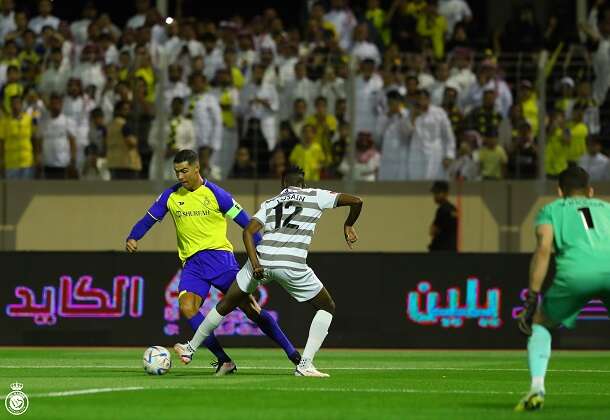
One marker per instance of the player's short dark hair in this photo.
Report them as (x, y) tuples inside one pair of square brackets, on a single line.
[(440, 187), (574, 179), (186, 155), (293, 175)]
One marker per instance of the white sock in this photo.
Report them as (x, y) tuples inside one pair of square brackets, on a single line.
[(209, 324), (537, 383), (317, 333)]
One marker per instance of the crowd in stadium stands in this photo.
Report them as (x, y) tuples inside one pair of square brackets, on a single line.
[(85, 99)]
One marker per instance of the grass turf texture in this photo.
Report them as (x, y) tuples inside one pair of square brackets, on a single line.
[(98, 383)]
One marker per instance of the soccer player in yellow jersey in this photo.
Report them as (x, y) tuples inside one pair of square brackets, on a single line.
[(198, 209)]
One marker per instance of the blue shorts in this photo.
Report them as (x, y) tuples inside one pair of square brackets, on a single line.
[(208, 268)]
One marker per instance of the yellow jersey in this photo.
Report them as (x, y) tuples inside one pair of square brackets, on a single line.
[(16, 136), (199, 217)]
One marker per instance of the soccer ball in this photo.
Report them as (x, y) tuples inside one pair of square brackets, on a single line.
[(156, 360)]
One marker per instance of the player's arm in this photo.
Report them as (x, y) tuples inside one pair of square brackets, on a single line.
[(539, 266), (249, 233), (355, 206), (231, 208), (155, 214)]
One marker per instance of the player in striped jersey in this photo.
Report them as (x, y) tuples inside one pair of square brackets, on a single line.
[(288, 222)]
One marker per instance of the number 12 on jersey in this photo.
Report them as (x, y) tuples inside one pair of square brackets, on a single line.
[(279, 213)]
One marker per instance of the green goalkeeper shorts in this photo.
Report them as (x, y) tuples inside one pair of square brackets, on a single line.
[(566, 297)]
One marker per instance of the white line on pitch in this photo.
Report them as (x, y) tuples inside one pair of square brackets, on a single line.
[(406, 368), (297, 389)]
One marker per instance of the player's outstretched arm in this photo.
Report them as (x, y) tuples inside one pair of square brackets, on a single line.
[(538, 270), (155, 214), (249, 232), (138, 231), (355, 205)]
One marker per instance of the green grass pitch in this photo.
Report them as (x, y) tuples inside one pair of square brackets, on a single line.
[(109, 383)]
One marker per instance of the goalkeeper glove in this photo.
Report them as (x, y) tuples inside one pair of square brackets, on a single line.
[(525, 318)]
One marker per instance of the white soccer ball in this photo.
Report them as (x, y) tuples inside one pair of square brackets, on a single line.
[(157, 360)]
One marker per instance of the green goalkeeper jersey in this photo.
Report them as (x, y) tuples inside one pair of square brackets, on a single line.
[(581, 228)]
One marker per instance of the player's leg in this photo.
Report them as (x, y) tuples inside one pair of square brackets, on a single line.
[(268, 324), (189, 307), (231, 300), (325, 310), (561, 305), (305, 286), (193, 290)]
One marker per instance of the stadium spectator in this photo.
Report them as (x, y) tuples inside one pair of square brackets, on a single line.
[(309, 155), (343, 22), (175, 88), (174, 135), (260, 101), (368, 89), (44, 18), (591, 108), (300, 87), (331, 87), (562, 148), (394, 131), (594, 162), (254, 140), (529, 103), (325, 125), (432, 144), (287, 139), (57, 146), (339, 149), (55, 76), (79, 28), (459, 40), (565, 102), (366, 164), (492, 157), (141, 118), (244, 167), (454, 12), (377, 17), (12, 87), (487, 79), (443, 229), (77, 106), (432, 27), (523, 153), (123, 157), (98, 132), (485, 116), (509, 127), (278, 164), (450, 105), (89, 70), (437, 88), (461, 72), (204, 109), (228, 99), (16, 143), (361, 47), (464, 167), (7, 19), (139, 19), (92, 169)]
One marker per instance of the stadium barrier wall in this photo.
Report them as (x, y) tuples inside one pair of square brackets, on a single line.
[(96, 216), (383, 301)]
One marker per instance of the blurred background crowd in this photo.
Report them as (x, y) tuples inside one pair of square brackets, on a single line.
[(374, 90)]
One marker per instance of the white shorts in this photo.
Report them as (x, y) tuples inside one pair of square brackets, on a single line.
[(302, 285)]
